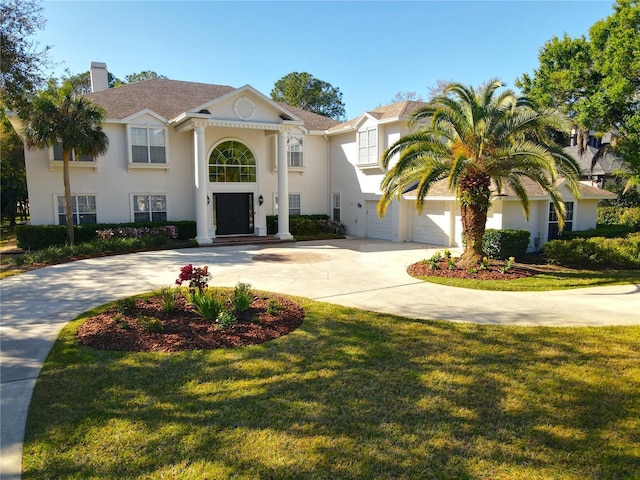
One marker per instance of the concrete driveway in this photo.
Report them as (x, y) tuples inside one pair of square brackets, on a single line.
[(361, 273)]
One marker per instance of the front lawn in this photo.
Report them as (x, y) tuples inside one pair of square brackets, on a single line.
[(348, 395)]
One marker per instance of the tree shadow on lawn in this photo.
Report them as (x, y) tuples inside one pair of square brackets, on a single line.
[(347, 395)]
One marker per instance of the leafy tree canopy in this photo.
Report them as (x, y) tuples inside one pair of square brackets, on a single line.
[(596, 80), (304, 91), (21, 60), (13, 178), (57, 114)]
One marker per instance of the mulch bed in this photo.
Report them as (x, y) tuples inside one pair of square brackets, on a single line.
[(184, 330), (423, 269)]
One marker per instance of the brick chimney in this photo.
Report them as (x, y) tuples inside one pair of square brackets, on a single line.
[(99, 77)]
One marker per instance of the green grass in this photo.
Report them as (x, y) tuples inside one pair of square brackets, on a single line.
[(557, 280), (349, 395)]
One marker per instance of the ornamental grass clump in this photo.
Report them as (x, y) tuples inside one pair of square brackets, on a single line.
[(207, 303), (242, 297), (169, 297)]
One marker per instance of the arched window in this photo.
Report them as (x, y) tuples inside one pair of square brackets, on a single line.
[(232, 161)]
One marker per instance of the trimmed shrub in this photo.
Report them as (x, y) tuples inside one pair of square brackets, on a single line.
[(607, 231), (36, 237), (306, 225), (502, 244), (596, 252)]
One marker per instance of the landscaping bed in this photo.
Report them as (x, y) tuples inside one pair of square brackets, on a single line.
[(268, 317)]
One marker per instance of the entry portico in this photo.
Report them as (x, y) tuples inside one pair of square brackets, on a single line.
[(232, 164)]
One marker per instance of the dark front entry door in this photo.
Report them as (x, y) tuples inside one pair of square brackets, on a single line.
[(234, 213)]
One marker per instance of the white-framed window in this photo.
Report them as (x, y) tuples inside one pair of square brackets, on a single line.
[(295, 203), (57, 154), (295, 153), (553, 220), (149, 207), (83, 209), (148, 145), (232, 161), (335, 206), (368, 146)]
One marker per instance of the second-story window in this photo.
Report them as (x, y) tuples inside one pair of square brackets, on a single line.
[(57, 154), (368, 146), (148, 145), (294, 151)]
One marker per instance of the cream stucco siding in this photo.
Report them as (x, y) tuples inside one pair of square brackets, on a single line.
[(586, 217)]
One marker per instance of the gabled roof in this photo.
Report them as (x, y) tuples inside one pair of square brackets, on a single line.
[(171, 98), (400, 110), (605, 163)]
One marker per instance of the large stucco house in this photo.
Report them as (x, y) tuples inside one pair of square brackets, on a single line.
[(226, 157)]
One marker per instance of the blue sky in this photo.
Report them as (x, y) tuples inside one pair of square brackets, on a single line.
[(369, 50)]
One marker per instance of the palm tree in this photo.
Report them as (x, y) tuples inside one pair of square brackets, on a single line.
[(56, 114), (481, 142)]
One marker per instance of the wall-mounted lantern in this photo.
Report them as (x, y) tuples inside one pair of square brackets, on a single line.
[(260, 200)]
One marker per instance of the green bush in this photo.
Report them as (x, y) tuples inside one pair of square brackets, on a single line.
[(306, 225), (609, 215), (607, 231), (502, 244), (631, 218), (596, 252), (615, 215), (36, 237)]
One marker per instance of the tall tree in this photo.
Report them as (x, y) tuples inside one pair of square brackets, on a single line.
[(58, 115), (142, 76), (21, 61), (304, 91), (595, 80), (409, 96), (481, 142), (13, 179)]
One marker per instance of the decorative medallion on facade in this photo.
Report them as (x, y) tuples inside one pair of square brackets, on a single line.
[(244, 108)]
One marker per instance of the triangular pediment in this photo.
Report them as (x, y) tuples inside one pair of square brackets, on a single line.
[(245, 104)]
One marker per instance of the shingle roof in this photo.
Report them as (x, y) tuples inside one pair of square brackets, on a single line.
[(395, 110), (440, 189), (170, 98), (605, 164), (312, 121)]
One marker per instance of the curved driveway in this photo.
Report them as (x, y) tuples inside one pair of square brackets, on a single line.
[(359, 273)]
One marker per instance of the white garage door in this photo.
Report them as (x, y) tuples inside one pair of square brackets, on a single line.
[(432, 226), (380, 228)]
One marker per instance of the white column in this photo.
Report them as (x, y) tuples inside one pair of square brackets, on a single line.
[(200, 182), (283, 189)]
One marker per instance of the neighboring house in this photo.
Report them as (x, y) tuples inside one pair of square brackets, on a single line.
[(598, 164), (225, 156)]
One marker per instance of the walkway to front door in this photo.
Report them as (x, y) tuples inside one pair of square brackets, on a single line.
[(234, 213)]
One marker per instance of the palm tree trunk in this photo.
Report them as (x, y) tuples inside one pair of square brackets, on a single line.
[(474, 222), (66, 155)]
